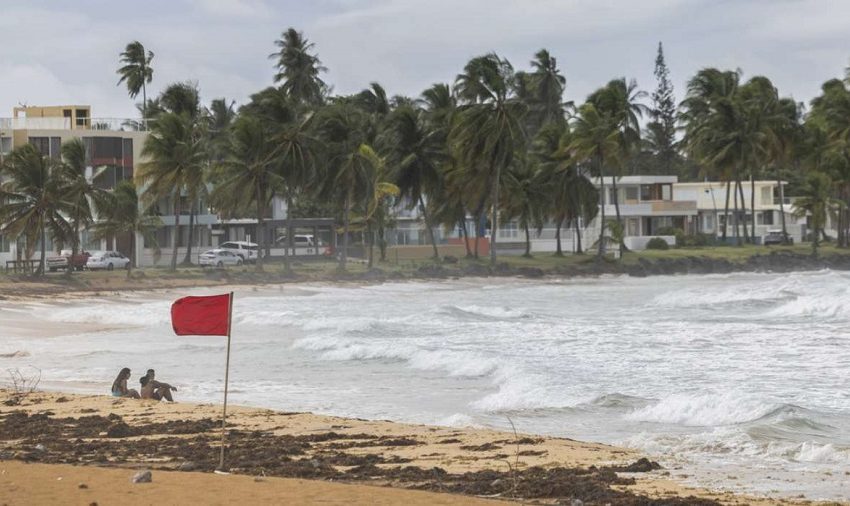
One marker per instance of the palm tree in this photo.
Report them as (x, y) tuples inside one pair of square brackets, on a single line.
[(524, 200), (350, 162), (596, 139), (173, 151), (714, 126), (298, 68), (35, 202), (136, 71), (488, 132), (415, 152), (79, 190), (121, 214), (817, 202), (248, 174), (620, 101)]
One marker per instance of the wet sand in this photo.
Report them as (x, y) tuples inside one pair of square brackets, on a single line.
[(302, 458)]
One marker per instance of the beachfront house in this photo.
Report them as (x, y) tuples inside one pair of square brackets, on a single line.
[(710, 197)]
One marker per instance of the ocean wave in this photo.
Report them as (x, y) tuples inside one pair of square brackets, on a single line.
[(484, 312), (703, 410), (830, 305), (459, 420), (618, 400)]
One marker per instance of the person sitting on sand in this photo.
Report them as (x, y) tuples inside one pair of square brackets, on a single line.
[(152, 389), (119, 386)]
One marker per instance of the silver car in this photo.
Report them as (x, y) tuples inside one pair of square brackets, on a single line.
[(218, 258)]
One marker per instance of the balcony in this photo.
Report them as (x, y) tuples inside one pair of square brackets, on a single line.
[(56, 123)]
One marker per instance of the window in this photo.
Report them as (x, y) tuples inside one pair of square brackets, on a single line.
[(631, 193), (765, 218), (5, 144), (5, 246), (666, 192), (646, 192), (508, 230), (47, 146)]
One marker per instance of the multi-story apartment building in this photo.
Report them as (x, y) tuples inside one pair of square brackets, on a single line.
[(112, 145)]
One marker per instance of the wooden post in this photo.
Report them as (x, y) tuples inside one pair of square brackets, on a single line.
[(226, 378)]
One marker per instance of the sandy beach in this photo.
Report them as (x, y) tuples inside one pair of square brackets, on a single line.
[(84, 449)]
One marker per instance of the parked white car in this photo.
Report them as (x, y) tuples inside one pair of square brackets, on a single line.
[(218, 258), (109, 260), (303, 244), (247, 251)]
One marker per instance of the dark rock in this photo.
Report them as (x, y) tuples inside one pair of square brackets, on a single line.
[(530, 272), (643, 465)]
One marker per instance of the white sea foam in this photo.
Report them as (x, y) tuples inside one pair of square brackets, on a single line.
[(457, 420), (703, 410)]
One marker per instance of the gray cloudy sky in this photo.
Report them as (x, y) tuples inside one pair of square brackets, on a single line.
[(67, 52)]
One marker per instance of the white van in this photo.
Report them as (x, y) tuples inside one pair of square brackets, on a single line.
[(302, 244), (247, 251)]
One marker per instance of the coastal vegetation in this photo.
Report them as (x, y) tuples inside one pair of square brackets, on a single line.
[(494, 143)]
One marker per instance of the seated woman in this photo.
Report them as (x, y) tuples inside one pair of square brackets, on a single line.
[(119, 386), (152, 389)]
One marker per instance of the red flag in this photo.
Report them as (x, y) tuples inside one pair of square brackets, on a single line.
[(201, 316)]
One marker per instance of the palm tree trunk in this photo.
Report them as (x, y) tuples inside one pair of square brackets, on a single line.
[(176, 233), (430, 228), (43, 247), (601, 249), (558, 251), (527, 242), (478, 217), (382, 241), (744, 208), (287, 264), (622, 244), (369, 243), (187, 260), (132, 254), (579, 250), (261, 228), (735, 215), (345, 220), (464, 232), (782, 205), (494, 215), (753, 207), (144, 106), (726, 209)]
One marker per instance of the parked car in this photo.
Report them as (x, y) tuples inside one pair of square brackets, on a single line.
[(775, 237), (247, 251), (108, 260), (305, 244), (65, 260), (218, 258)]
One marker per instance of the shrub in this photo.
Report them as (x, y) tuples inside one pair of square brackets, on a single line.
[(657, 243), (681, 238)]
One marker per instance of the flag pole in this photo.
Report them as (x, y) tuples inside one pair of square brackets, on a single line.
[(226, 377)]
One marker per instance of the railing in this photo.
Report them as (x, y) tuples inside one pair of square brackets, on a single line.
[(105, 124)]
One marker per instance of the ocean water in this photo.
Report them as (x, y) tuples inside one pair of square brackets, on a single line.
[(737, 382)]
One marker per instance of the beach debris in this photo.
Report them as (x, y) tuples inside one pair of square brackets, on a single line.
[(62, 399), (82, 486), (142, 477), (40, 447), (642, 465), (119, 429), (481, 448), (187, 466)]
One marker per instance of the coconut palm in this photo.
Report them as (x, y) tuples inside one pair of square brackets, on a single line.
[(816, 202), (488, 132), (349, 161), (174, 153), (596, 140), (298, 68), (136, 71), (248, 174), (121, 213), (415, 153), (79, 190), (35, 202), (524, 200), (619, 100)]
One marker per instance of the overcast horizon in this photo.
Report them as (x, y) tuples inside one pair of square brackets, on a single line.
[(54, 53)]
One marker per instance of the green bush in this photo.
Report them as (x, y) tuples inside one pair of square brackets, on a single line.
[(657, 243), (681, 238)]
